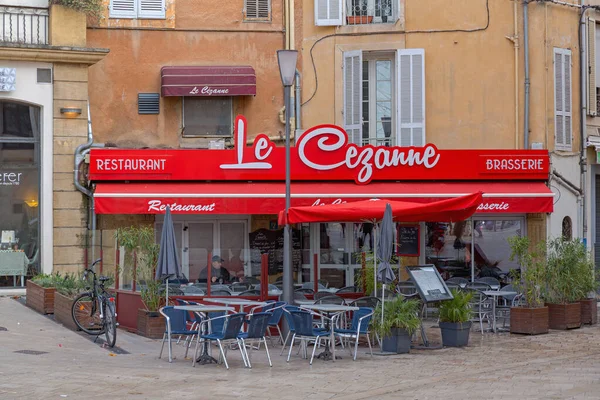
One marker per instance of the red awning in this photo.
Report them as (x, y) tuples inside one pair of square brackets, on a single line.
[(208, 81), (269, 197)]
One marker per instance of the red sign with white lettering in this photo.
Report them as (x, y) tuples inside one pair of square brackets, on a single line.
[(321, 153)]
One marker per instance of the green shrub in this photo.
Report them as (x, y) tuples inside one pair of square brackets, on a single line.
[(458, 309), (398, 313), (92, 8), (46, 280), (70, 285)]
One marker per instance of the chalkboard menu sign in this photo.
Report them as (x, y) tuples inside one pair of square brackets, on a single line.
[(265, 241), (408, 240), (429, 283)]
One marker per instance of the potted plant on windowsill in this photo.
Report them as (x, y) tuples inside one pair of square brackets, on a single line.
[(40, 292), (563, 283), (400, 321), (455, 319), (531, 317)]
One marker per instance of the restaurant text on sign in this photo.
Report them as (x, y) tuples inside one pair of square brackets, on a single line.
[(131, 164), (159, 206)]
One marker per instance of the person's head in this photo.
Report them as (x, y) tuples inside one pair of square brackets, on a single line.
[(217, 262)]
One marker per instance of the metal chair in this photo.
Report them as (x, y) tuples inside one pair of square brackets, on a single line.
[(303, 323), (347, 289), (220, 292), (239, 287), (276, 313), (481, 306), (175, 324), (359, 326), (257, 326), (320, 295), (367, 301), (478, 286), (488, 280), (331, 299), (304, 291), (457, 280), (251, 292), (290, 322), (230, 334), (407, 289), (503, 309)]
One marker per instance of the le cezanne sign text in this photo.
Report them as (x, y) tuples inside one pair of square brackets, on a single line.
[(321, 153)]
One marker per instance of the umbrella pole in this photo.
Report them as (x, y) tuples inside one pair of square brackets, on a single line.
[(167, 293)]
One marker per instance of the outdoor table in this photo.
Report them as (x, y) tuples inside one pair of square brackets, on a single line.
[(14, 263), (204, 358), (235, 302), (304, 302), (496, 294), (329, 309)]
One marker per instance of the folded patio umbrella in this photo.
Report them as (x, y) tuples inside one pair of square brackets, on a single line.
[(168, 261), (384, 253)]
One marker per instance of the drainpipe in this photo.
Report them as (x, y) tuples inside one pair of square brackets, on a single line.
[(584, 99), (515, 41), (527, 83), (298, 101)]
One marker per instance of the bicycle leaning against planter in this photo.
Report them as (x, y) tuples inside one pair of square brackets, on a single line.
[(94, 311)]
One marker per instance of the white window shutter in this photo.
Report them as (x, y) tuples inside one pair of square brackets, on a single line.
[(151, 9), (563, 132), (257, 9), (410, 95), (353, 96), (122, 9), (591, 50), (328, 12)]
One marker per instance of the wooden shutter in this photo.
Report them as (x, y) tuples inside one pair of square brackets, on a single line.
[(257, 9), (328, 12), (591, 50), (563, 135), (410, 95), (151, 9), (353, 96), (122, 9)]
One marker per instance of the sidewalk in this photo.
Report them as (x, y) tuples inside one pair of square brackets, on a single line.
[(560, 365)]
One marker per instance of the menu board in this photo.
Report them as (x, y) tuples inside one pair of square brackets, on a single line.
[(265, 241), (408, 240), (429, 283)]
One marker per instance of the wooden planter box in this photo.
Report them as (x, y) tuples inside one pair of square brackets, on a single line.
[(589, 311), (62, 311), (359, 19), (530, 321), (39, 298), (150, 324), (564, 316)]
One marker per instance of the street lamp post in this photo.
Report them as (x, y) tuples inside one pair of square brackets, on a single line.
[(287, 68)]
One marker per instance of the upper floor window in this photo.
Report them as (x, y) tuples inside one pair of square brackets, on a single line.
[(355, 12), (257, 10), (384, 97), (563, 127), (143, 9), (207, 116)]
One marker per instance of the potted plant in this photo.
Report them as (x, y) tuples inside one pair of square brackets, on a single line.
[(67, 288), (150, 323), (532, 316), (589, 285), (39, 293), (563, 283), (400, 321), (455, 319)]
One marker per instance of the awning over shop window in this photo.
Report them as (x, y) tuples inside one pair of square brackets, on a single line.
[(208, 81), (269, 198)]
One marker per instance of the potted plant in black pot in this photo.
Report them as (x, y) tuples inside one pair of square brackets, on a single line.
[(400, 321), (455, 319), (589, 285), (531, 317)]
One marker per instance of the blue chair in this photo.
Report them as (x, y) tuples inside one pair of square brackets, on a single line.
[(303, 325), (232, 327), (257, 326), (276, 312), (290, 323), (360, 326), (176, 324)]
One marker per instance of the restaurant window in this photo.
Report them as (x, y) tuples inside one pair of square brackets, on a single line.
[(207, 117), (19, 183)]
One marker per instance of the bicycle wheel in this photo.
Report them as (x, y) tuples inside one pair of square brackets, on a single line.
[(86, 314), (110, 324)]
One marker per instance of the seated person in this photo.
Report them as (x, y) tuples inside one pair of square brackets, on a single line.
[(219, 274)]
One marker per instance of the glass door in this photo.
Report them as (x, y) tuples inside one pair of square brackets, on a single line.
[(232, 246), (334, 251), (200, 239)]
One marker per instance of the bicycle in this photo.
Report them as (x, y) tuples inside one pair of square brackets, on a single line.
[(94, 311)]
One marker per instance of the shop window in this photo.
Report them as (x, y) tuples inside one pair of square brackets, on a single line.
[(567, 228), (207, 117), (19, 120)]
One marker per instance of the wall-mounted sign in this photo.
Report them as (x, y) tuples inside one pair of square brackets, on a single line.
[(8, 78), (10, 178)]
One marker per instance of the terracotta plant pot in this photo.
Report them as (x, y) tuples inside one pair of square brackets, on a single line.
[(529, 321), (150, 324), (39, 298), (359, 19), (589, 311), (62, 311), (564, 316)]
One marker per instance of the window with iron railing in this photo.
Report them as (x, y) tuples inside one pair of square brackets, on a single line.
[(24, 25), (370, 11)]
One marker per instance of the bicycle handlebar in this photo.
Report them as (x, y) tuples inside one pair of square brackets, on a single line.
[(87, 270)]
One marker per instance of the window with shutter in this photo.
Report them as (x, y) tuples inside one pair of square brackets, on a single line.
[(591, 47), (151, 9), (353, 96), (123, 9), (257, 9), (410, 83), (563, 135), (328, 12)]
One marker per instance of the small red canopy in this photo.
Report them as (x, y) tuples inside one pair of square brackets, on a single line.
[(455, 209)]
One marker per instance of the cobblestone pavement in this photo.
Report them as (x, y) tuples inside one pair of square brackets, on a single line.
[(560, 365)]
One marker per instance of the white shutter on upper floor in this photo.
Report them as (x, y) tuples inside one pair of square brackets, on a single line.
[(410, 95), (328, 12), (122, 9), (352, 70), (563, 132), (151, 9)]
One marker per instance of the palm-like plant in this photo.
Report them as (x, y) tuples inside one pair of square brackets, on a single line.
[(458, 309), (399, 313)]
